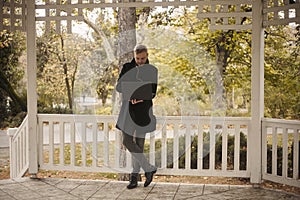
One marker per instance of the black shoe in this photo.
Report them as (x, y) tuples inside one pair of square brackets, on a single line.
[(149, 177), (133, 183)]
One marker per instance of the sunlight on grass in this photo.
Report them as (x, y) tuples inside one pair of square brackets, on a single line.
[(78, 157)]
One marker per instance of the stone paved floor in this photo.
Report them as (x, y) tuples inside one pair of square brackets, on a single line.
[(65, 189)]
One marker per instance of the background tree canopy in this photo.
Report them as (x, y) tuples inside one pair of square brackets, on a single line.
[(201, 72), (12, 90)]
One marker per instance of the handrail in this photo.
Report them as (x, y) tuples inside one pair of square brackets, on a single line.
[(91, 143), (280, 151), (18, 143)]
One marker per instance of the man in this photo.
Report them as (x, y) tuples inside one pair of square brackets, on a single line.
[(136, 116)]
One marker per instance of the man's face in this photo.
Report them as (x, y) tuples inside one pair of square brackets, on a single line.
[(140, 58)]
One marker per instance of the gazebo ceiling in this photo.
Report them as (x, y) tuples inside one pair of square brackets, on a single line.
[(223, 15)]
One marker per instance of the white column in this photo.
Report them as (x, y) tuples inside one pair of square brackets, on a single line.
[(31, 87), (257, 95)]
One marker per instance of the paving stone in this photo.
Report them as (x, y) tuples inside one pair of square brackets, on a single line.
[(63, 197), (189, 191), (70, 189), (51, 192), (51, 181), (211, 189), (111, 190), (4, 195), (18, 191), (6, 181), (33, 183), (7, 198), (140, 192), (87, 190), (69, 185), (163, 191)]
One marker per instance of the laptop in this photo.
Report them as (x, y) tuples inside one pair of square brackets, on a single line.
[(136, 90)]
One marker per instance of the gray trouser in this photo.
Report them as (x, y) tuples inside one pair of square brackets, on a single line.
[(135, 146)]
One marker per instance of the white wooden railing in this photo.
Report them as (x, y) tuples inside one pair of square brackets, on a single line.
[(92, 144), (198, 146), (18, 142), (280, 140)]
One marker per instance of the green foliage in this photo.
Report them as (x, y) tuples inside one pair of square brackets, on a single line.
[(187, 54), (12, 90), (199, 54), (12, 46), (232, 50), (100, 69), (13, 120), (282, 72), (54, 110), (59, 56), (279, 166), (104, 110)]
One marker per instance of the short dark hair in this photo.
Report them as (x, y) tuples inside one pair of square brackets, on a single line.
[(140, 48)]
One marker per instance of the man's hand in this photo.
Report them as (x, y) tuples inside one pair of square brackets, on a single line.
[(135, 101)]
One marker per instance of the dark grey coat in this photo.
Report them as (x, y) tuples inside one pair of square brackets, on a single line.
[(138, 116)]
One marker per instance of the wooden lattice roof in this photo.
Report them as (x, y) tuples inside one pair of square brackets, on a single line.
[(226, 14)]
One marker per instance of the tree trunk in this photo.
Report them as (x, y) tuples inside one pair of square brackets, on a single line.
[(222, 55), (127, 34), (9, 90), (219, 100), (126, 43), (67, 81)]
